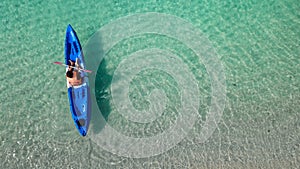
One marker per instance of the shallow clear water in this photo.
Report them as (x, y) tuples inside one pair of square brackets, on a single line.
[(256, 42)]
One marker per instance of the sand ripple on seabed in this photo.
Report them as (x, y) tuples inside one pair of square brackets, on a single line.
[(257, 96)]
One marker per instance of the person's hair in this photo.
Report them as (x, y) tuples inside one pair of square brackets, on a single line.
[(69, 74)]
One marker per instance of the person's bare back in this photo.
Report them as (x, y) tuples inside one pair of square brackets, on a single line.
[(73, 76), (75, 81)]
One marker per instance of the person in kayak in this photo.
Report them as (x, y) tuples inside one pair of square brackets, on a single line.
[(73, 76)]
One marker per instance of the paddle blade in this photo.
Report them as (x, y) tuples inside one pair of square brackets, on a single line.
[(58, 63), (88, 71)]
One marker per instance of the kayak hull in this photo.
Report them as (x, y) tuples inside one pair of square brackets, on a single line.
[(79, 96)]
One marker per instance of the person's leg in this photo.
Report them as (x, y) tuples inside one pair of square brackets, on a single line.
[(71, 63), (78, 64)]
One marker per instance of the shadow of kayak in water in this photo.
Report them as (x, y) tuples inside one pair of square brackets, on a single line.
[(99, 81)]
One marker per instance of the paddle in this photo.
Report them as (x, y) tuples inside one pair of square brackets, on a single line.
[(84, 70)]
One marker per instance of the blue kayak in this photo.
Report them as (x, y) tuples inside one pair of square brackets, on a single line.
[(79, 96)]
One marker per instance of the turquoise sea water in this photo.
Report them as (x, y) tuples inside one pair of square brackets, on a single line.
[(257, 43)]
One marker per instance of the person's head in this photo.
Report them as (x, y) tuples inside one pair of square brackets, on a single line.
[(69, 74)]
